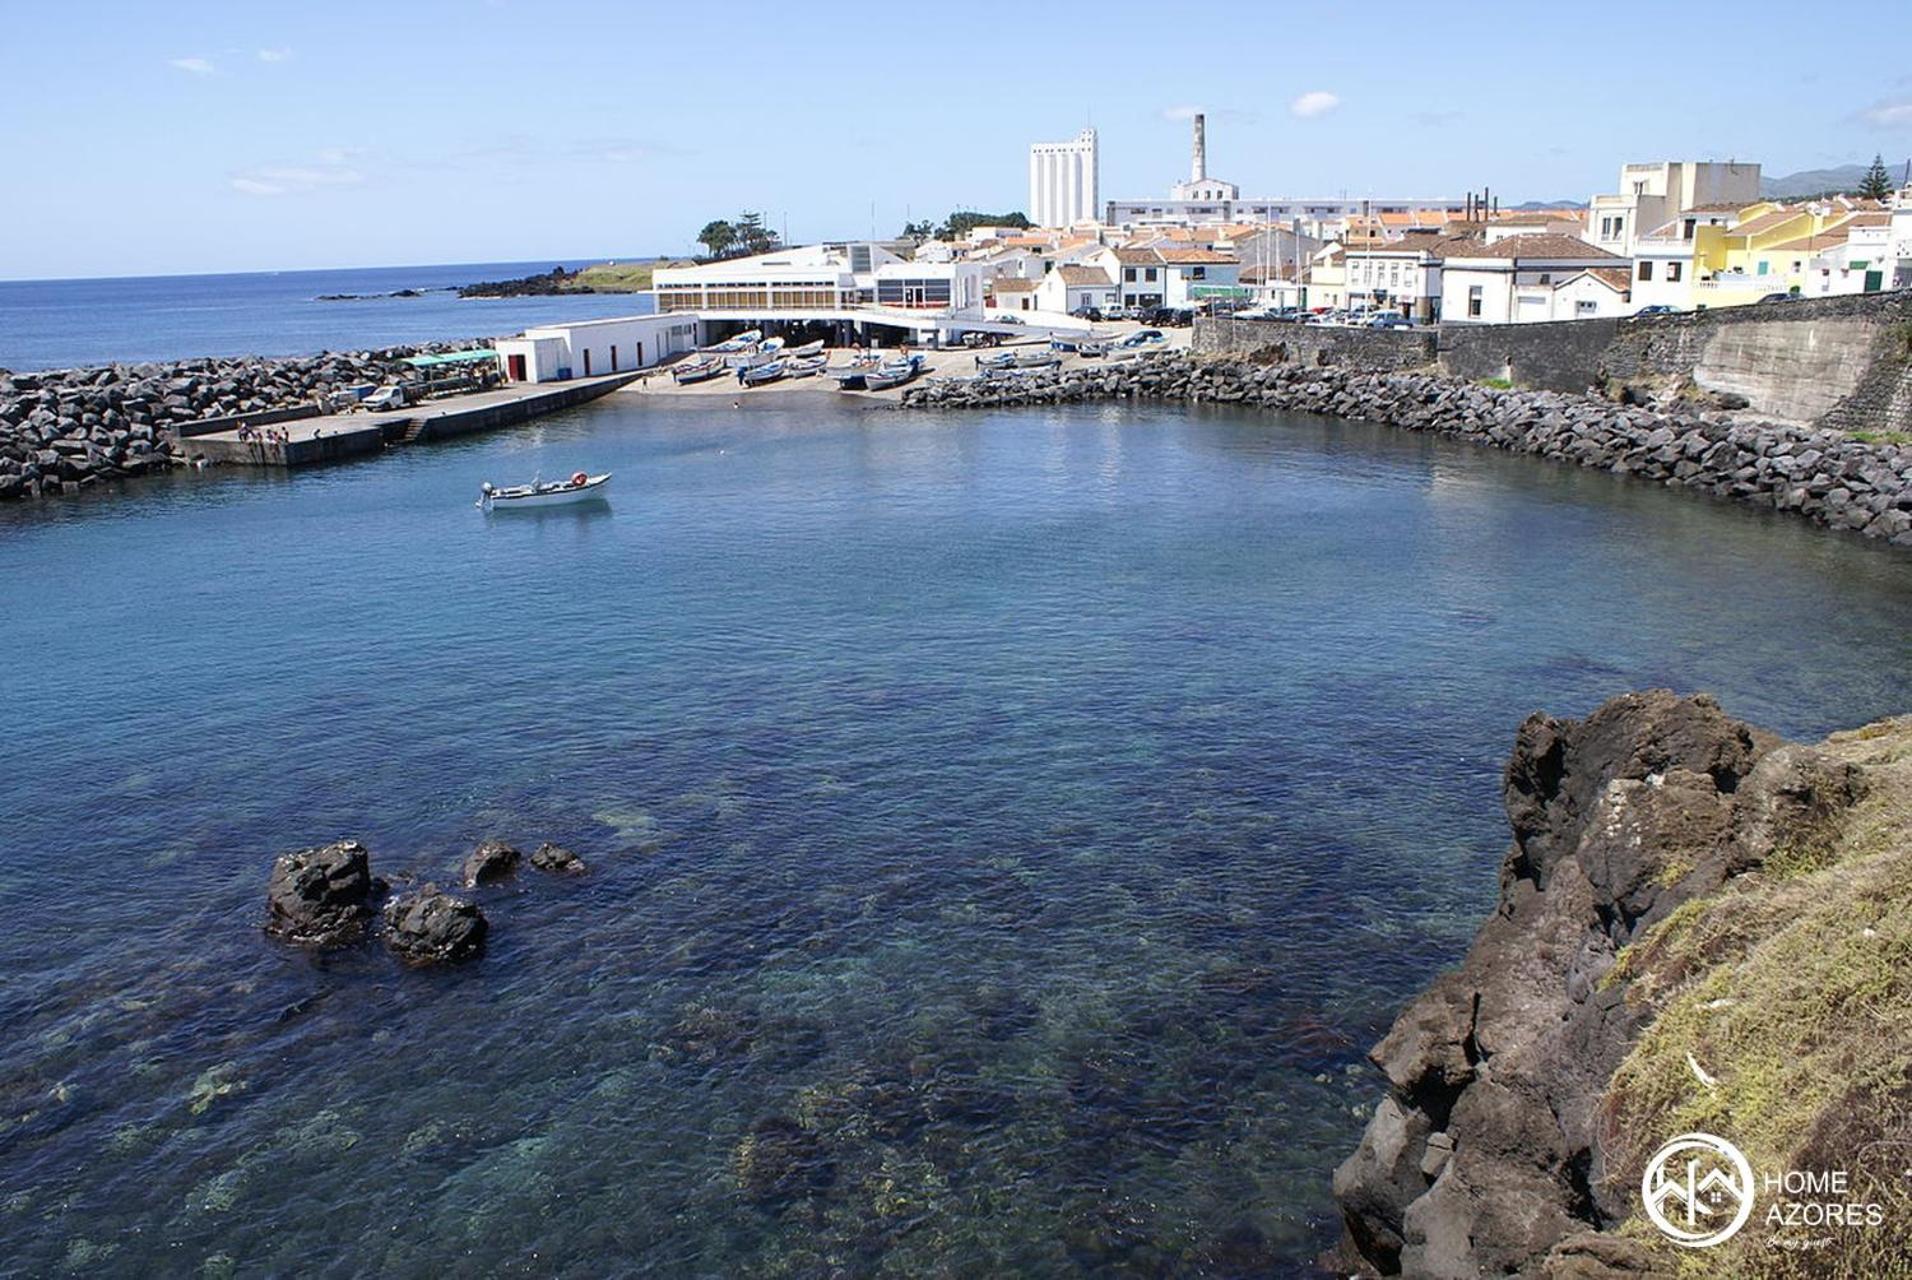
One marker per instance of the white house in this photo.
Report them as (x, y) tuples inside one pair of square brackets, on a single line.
[(1167, 275), (1073, 286), (586, 348), (1399, 275), (1597, 291), (1512, 280), (1663, 264), (1013, 293)]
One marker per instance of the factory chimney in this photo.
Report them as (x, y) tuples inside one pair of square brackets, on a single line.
[(1198, 161)]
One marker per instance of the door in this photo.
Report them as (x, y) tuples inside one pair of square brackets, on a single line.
[(516, 367), (912, 295), (614, 357), (587, 362), (640, 356)]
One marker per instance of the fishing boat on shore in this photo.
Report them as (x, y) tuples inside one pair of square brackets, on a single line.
[(851, 376), (745, 341), (893, 373), (696, 371), (1038, 360), (806, 351), (804, 367), (757, 375), (581, 487), (997, 360)]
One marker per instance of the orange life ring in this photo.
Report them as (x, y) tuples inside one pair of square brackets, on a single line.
[(579, 478)]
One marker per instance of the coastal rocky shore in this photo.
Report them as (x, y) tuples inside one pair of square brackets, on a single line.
[(1844, 481), (64, 429), (1700, 928)]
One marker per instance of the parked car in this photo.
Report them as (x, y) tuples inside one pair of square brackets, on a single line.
[(1657, 309), (1092, 314), (1011, 320), (1779, 297), (1390, 320)]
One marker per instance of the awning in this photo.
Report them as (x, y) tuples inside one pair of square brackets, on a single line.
[(1219, 291), (475, 356)]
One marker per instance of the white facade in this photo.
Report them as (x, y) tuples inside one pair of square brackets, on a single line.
[(588, 348), (1404, 278), (1651, 195), (1072, 287), (1065, 184), (1517, 283)]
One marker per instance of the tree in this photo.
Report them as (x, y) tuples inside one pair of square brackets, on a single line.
[(919, 231), (717, 236), (958, 224), (1877, 184), (753, 236)]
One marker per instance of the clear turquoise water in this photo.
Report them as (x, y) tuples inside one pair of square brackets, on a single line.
[(1027, 818)]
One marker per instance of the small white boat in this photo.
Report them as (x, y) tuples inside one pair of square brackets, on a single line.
[(581, 487), (745, 340), (805, 351)]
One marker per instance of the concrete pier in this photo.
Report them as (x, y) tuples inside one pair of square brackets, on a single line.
[(334, 437)]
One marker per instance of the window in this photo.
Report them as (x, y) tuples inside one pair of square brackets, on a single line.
[(1646, 271), (1148, 273), (1585, 307), (1198, 273), (1673, 271), (1473, 300), (1762, 266), (1546, 277), (1128, 275)]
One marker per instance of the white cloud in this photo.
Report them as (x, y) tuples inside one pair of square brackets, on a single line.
[(274, 55), (1890, 115), (194, 66), (329, 173), (1180, 113), (1314, 103)]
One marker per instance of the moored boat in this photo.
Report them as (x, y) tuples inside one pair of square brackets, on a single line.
[(893, 373), (581, 487), (804, 367), (757, 375), (807, 350), (1038, 360)]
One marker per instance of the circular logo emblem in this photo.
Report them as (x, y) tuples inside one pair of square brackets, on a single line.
[(1698, 1189)]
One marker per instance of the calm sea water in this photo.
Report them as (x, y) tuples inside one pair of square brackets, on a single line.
[(53, 324), (1006, 831)]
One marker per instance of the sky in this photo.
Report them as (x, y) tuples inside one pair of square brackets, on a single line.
[(204, 137)]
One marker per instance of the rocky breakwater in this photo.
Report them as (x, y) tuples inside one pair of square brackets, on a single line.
[(1852, 482), (1700, 928), (64, 429)]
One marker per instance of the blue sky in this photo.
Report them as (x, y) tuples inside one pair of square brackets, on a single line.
[(185, 137)]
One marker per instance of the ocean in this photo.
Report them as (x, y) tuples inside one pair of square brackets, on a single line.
[(1007, 831), (55, 324)]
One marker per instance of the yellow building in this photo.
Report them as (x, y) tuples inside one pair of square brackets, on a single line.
[(1771, 249)]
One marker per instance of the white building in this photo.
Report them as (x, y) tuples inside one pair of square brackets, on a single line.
[(1065, 183), (587, 348), (1401, 275), (1514, 280), (1663, 264), (1652, 195), (853, 292), (1072, 287), (1168, 275)]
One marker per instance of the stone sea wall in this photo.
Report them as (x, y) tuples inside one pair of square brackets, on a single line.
[(64, 429), (1835, 362), (1830, 477)]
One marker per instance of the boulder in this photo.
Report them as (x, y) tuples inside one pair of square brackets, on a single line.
[(320, 896), (557, 859), (429, 927), (491, 861)]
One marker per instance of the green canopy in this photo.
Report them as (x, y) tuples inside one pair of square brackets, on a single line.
[(474, 356), (1219, 291)]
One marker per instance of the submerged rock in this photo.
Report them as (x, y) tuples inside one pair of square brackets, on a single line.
[(492, 860), (779, 1160), (429, 927), (321, 896), (557, 859)]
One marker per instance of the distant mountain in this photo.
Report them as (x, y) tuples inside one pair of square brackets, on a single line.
[(1812, 182), (1547, 204)]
